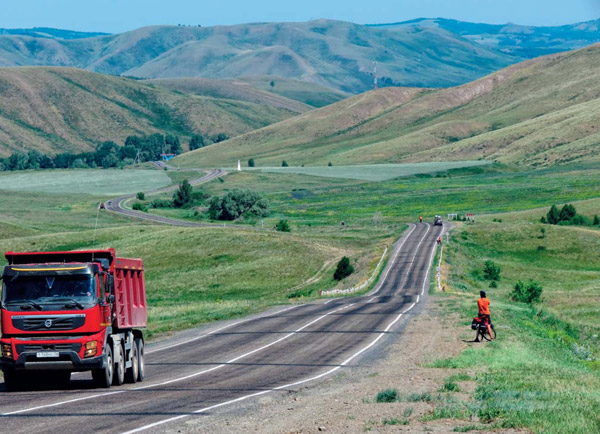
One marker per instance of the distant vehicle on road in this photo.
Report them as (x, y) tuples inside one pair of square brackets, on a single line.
[(437, 221), (72, 311)]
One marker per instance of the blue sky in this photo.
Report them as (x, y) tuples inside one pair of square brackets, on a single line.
[(122, 15)]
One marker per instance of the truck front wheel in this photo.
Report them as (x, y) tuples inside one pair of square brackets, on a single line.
[(13, 380), (104, 377)]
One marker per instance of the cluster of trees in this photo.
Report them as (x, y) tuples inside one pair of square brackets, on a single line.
[(199, 141), (238, 203), (108, 154), (568, 216), (184, 197)]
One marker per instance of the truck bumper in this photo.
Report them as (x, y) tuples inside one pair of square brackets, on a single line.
[(67, 361)]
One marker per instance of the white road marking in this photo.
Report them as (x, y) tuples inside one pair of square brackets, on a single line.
[(285, 386), (429, 266), (99, 395), (393, 261)]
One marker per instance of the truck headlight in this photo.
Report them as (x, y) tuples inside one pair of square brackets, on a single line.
[(91, 348), (7, 351)]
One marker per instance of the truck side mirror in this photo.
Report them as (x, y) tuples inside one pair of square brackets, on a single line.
[(110, 284), (110, 298)]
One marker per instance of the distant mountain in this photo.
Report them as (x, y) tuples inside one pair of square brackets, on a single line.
[(516, 40), (62, 109), (48, 32), (540, 112), (329, 53)]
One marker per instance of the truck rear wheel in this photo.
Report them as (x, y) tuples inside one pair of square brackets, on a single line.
[(139, 343), (131, 375), (104, 377), (119, 375)]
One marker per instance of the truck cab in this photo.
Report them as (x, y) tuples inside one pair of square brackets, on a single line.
[(72, 311)]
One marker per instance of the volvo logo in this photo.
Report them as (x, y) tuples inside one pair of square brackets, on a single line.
[(48, 323)]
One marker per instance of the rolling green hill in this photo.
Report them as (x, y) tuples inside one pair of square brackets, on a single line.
[(62, 109), (540, 112), (331, 53)]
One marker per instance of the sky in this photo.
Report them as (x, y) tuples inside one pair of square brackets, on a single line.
[(115, 16)]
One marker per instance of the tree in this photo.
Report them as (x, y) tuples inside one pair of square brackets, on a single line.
[(567, 213), (197, 142), (344, 269), (526, 292), (283, 226), (173, 144), (78, 163), (111, 160), (272, 83), (18, 161), (237, 203), (596, 220), (183, 196), (251, 162), (491, 271), (553, 216), (329, 164), (284, 164), (221, 137), (140, 195)]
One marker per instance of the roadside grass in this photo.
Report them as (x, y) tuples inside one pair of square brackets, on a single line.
[(542, 373), (89, 181), (194, 276)]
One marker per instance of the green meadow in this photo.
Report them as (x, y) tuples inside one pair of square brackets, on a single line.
[(543, 371)]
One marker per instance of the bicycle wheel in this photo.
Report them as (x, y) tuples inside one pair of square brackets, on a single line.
[(486, 334)]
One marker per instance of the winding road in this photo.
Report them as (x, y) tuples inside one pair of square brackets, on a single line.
[(116, 205), (199, 373)]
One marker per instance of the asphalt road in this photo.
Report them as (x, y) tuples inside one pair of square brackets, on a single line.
[(202, 372), (116, 205)]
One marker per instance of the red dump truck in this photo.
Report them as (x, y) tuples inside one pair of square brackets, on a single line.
[(63, 312)]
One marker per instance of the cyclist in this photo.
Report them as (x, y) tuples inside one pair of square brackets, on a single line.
[(483, 305)]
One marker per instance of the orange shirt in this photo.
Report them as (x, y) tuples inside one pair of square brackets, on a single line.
[(484, 306)]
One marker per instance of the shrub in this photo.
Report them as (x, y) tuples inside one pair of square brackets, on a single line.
[(491, 271), (344, 269), (526, 292), (237, 203), (140, 195), (182, 198), (161, 203), (493, 284), (284, 164), (283, 226), (329, 164), (553, 216), (596, 220), (568, 212), (388, 395), (139, 206), (251, 162)]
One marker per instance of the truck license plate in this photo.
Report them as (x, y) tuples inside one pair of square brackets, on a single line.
[(47, 354)]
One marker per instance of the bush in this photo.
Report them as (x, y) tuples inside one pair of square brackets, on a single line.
[(493, 284), (526, 292), (388, 395), (491, 271), (238, 203), (139, 206), (283, 226), (140, 195), (344, 269), (329, 164), (553, 216), (161, 203), (596, 220), (284, 164), (182, 198), (251, 162)]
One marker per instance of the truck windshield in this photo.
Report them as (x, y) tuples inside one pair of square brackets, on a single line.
[(48, 289)]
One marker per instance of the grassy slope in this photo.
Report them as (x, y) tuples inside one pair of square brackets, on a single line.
[(61, 109), (542, 373), (332, 53), (539, 112)]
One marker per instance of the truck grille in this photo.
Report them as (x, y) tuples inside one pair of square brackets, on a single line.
[(48, 322), (21, 348)]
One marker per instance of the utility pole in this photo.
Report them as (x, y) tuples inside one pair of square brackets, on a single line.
[(374, 75)]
